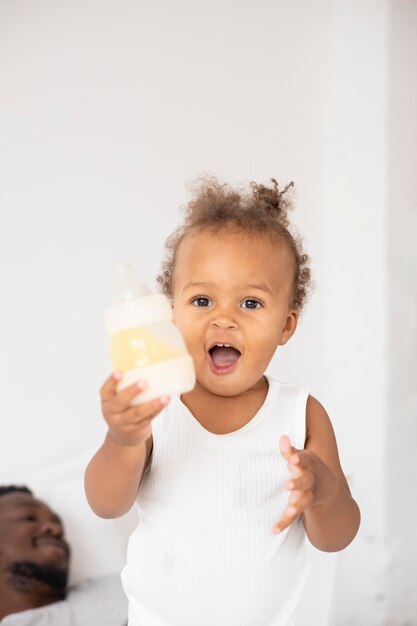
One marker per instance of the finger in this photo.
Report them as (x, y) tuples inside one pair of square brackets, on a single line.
[(109, 388), (298, 502), (291, 513), (299, 462), (285, 447), (302, 483), (147, 410), (121, 401)]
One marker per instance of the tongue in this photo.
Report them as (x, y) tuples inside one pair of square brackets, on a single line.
[(224, 356)]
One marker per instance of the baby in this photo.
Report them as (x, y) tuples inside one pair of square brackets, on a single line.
[(231, 477)]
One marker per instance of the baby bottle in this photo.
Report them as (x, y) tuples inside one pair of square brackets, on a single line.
[(144, 342)]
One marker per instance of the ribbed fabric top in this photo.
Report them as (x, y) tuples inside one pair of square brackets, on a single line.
[(203, 553)]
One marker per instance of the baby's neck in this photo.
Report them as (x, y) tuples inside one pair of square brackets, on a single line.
[(225, 414)]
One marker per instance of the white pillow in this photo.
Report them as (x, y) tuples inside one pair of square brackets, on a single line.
[(98, 546)]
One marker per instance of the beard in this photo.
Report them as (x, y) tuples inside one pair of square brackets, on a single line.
[(27, 575)]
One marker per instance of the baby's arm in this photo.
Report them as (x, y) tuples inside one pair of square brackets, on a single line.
[(114, 474), (319, 490)]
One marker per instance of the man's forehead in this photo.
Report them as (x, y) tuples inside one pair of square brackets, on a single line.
[(14, 497), (18, 499)]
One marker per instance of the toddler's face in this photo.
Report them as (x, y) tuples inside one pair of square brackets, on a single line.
[(232, 289)]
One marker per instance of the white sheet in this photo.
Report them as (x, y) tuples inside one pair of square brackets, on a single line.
[(98, 602)]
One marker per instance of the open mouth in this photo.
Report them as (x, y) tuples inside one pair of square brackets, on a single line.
[(50, 542), (223, 358)]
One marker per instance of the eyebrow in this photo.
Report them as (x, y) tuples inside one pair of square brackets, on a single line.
[(261, 287), (35, 505)]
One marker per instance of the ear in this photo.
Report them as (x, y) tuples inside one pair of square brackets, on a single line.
[(289, 326)]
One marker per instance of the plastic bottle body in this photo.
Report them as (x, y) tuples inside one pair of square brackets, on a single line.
[(146, 345)]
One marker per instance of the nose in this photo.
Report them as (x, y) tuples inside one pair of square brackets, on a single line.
[(53, 528), (223, 318)]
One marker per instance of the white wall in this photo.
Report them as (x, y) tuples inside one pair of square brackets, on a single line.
[(107, 110), (355, 289), (401, 438)]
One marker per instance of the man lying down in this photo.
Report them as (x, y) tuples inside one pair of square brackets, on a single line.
[(34, 565)]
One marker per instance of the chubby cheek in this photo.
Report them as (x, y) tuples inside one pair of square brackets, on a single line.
[(194, 345), (188, 327), (264, 349)]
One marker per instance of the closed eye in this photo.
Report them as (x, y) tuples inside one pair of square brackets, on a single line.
[(28, 517), (201, 301), (251, 303)]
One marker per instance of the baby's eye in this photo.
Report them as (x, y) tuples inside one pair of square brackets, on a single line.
[(201, 301), (251, 303)]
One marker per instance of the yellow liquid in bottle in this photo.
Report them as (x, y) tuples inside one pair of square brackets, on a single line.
[(136, 347)]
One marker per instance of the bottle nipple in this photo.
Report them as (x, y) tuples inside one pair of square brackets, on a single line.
[(129, 286)]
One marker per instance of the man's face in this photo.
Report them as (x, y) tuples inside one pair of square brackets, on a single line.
[(31, 533)]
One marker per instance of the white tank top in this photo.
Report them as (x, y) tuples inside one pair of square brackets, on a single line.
[(203, 553)]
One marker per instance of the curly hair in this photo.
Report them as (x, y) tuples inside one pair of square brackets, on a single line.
[(260, 210)]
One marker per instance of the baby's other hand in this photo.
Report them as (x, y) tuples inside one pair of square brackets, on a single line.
[(128, 425), (312, 482)]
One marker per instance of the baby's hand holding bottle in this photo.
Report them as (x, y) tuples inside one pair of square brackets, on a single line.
[(145, 344), (129, 425)]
